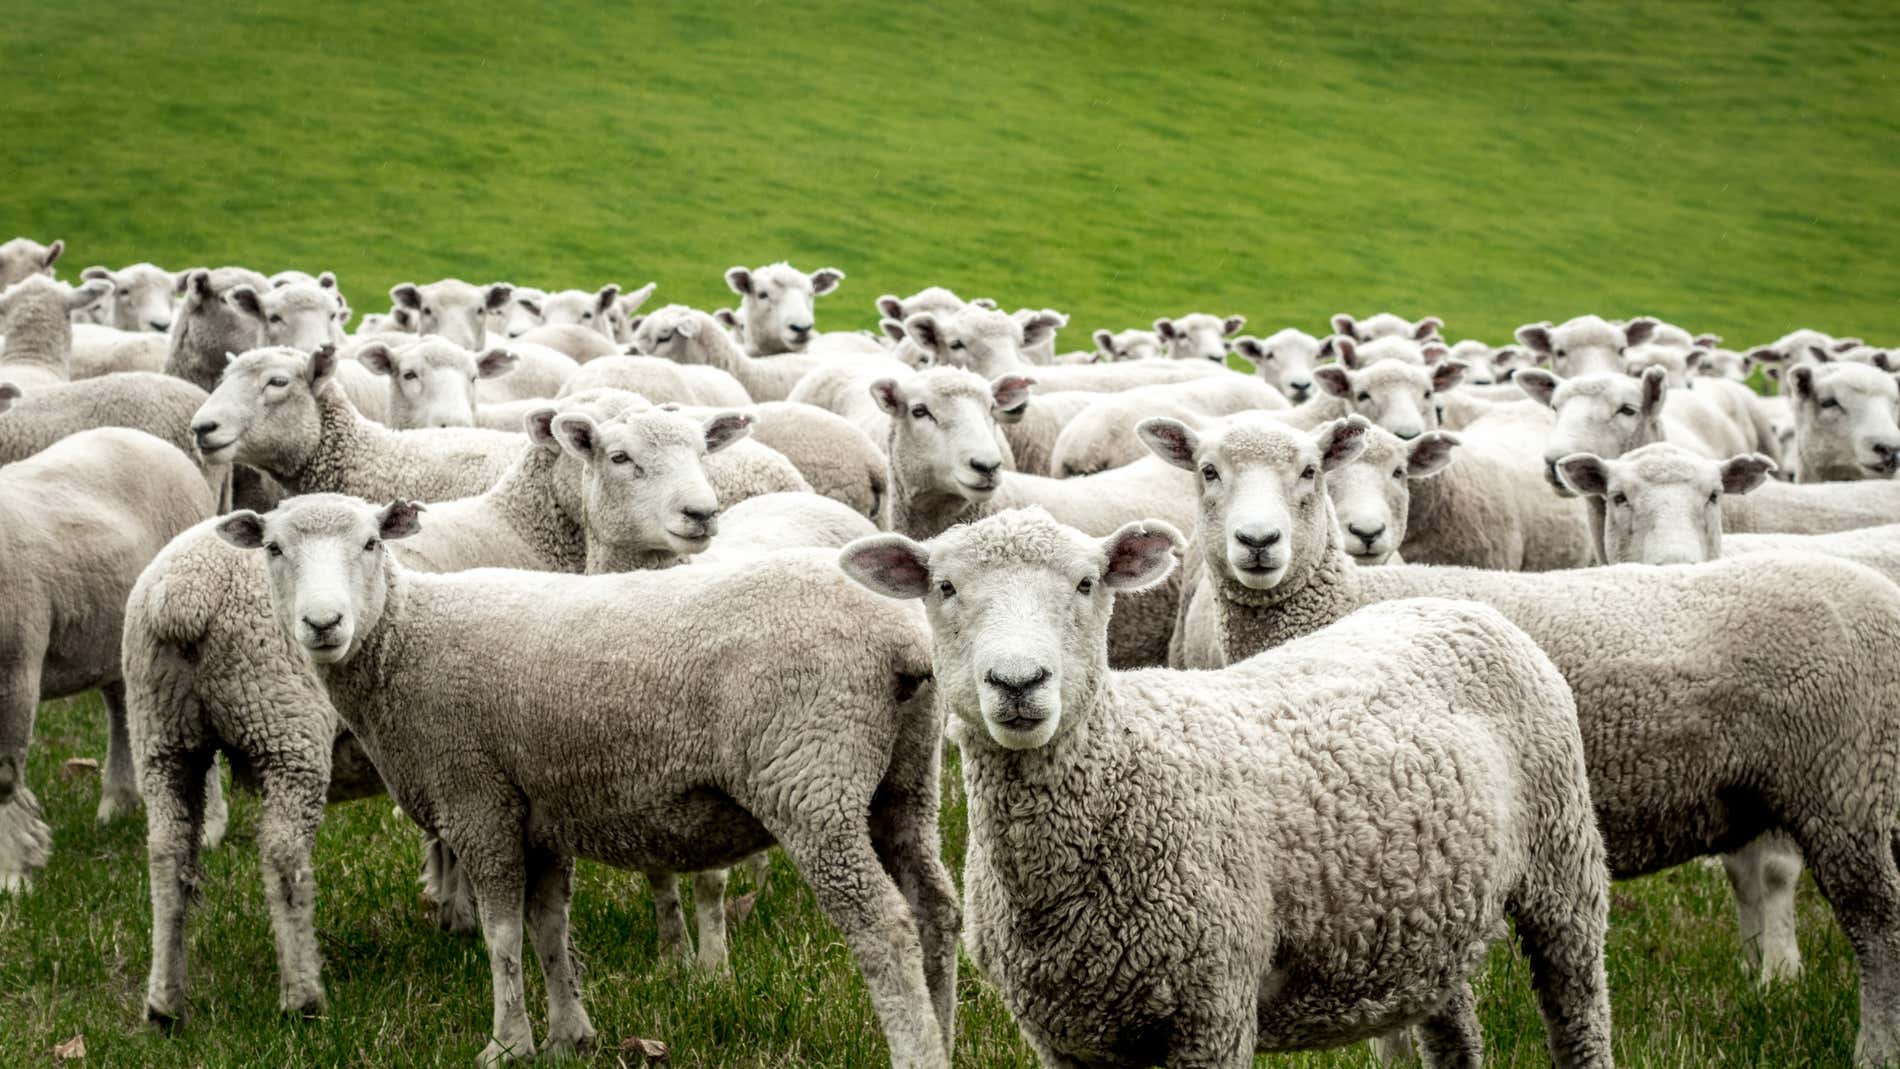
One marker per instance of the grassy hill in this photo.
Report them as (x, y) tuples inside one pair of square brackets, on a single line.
[(1730, 167)]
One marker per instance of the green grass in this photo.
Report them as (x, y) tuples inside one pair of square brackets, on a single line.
[(1727, 166)]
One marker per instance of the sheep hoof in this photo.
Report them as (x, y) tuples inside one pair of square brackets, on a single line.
[(566, 1047), (164, 1020), (497, 1053), (115, 804), (305, 1007)]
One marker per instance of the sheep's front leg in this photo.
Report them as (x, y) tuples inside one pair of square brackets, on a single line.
[(1764, 875), (550, 886), (669, 915), (119, 792), (709, 911), (1396, 1047), (217, 810), (1449, 1039), (498, 880), (174, 810), (286, 831), (25, 840)]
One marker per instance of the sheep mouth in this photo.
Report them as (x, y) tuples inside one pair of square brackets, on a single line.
[(1369, 556), (327, 651), (214, 452), (980, 488), (1882, 470), (694, 541)]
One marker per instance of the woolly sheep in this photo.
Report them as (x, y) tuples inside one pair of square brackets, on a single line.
[(517, 315), (1216, 913), (1372, 496), (1387, 325), (1611, 414), (1043, 352), (297, 315), (1844, 422), (395, 321), (1199, 336), (452, 308), (946, 469), (980, 339), (1285, 359), (35, 316), (432, 382), (1718, 363), (771, 522), (775, 304), (661, 380), (1391, 393), (839, 461), (1795, 346), (142, 296), (582, 309), (1128, 345), (1733, 399), (1102, 436), (1586, 345), (864, 797), (208, 329), (159, 405), (578, 343), (742, 470), (843, 387), (100, 350), (1804, 720), (935, 299), (78, 520), (22, 258), (688, 336), (1487, 366), (1034, 427)]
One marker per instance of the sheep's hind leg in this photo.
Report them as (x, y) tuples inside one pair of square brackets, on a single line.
[(173, 785), (1858, 876), (709, 912), (1395, 1047), (1764, 875), (25, 839), (550, 887), (118, 789), (669, 915), (286, 832), (1449, 1039), (497, 875)]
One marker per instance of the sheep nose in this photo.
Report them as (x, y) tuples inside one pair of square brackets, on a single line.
[(320, 626), (1017, 687), (1300, 387), (159, 325), (1407, 434), (1366, 536), (1256, 538), (801, 329), (700, 516), (205, 427), (1886, 449), (985, 467)]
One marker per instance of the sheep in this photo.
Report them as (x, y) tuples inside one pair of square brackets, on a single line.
[(78, 520), (1199, 336), (1391, 393), (1844, 426), (771, 522), (983, 340), (1586, 345), (397, 320), (571, 340), (861, 805), (280, 410), (1034, 428), (688, 336), (1102, 436), (432, 382), (452, 308), (1387, 325), (1795, 346), (100, 350), (946, 469), (1285, 359), (35, 316), (843, 387), (1156, 871), (517, 315), (661, 380), (1804, 722), (622, 314), (1733, 399), (295, 314), (742, 470), (775, 304), (142, 296), (1611, 414), (1372, 496), (934, 299), (22, 258), (1487, 366), (1719, 363), (1043, 352), (159, 405), (1129, 345), (839, 461), (581, 309), (208, 329)]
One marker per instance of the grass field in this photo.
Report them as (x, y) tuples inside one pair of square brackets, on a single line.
[(1731, 167)]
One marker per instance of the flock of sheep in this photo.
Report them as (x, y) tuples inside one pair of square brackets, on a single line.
[(661, 610)]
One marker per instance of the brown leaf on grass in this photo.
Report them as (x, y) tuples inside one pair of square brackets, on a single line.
[(74, 768), (651, 1051), (75, 1048), (738, 909)]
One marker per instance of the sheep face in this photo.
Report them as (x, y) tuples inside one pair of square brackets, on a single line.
[(1844, 421), (453, 308), (142, 297), (933, 299), (1199, 336), (1130, 345), (1607, 415), (943, 429), (582, 309), (1673, 361), (670, 331), (38, 299), (1718, 364), (643, 481), (23, 258), (264, 410), (1586, 345), (296, 316), (1372, 493), (1797, 347), (518, 315), (775, 303), (1662, 504), (432, 382), (329, 570), (621, 314), (1392, 394), (1387, 325), (1285, 359), (395, 321), (979, 339), (1262, 489), (209, 325), (1019, 608)]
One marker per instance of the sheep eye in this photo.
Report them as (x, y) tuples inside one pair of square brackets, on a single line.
[(1364, 396), (1267, 358), (1209, 473), (279, 381), (409, 375), (370, 546), (956, 345), (919, 412), (1086, 586), (1561, 351), (587, 315), (1626, 410), (428, 311), (1308, 473), (1830, 403), (1399, 474), (275, 318), (273, 549), (1714, 496), (947, 589), (1619, 499), (762, 295), (619, 457)]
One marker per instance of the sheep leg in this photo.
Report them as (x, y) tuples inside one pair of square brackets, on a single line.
[(759, 868), (1561, 923), (445, 883), (905, 834), (286, 832), (217, 810), (1395, 1047), (1858, 876), (119, 792), (1763, 875), (550, 887), (859, 898), (498, 877), (669, 915), (1449, 1039), (709, 910), (25, 840), (173, 787)]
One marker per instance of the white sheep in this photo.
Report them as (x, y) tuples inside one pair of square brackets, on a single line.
[(208, 329), (775, 304), (143, 296), (299, 315), (934, 299), (1794, 346), (1199, 336), (840, 461), (1804, 720), (1844, 422), (22, 258), (689, 336), (660, 380), (1102, 436), (102, 350), (1315, 845), (1734, 399), (431, 383), (1387, 325), (452, 308), (1390, 392), (579, 308), (1611, 414), (1128, 345), (1372, 493), (78, 520), (980, 339), (1487, 366), (35, 316), (397, 320), (159, 405), (864, 797), (1285, 359), (1586, 345), (1043, 352)]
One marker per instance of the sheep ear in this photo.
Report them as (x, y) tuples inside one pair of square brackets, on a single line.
[(9, 393), (1655, 389), (399, 519), (243, 529), (96, 272), (196, 283), (577, 433), (726, 428), (1765, 355), (1536, 338), (1341, 442), (888, 397), (892, 328), (327, 280), (1883, 359), (1343, 324), (1585, 473), (406, 295), (1745, 473), (1801, 378), (926, 332), (1427, 328), (493, 363), (377, 358), (1448, 374), (985, 302), (890, 307), (604, 299), (1430, 454), (495, 298), (688, 326), (533, 306), (631, 303), (52, 253), (1841, 345), (1169, 439), (245, 299), (1692, 363), (1250, 352), (1232, 325), (633, 322), (1538, 385), (1139, 555), (540, 427), (1010, 392), (1432, 353), (1639, 330), (1041, 327), (1820, 355), (739, 280), (1333, 380), (1165, 328), (404, 318), (730, 320), (888, 564), (1708, 341), (1104, 342), (1347, 350), (824, 280), (94, 291), (322, 365)]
